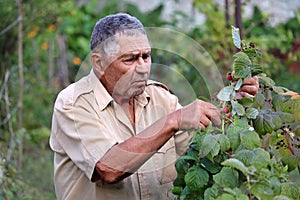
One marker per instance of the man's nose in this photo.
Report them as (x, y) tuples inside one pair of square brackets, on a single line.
[(142, 67)]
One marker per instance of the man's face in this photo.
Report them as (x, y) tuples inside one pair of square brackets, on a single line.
[(129, 64)]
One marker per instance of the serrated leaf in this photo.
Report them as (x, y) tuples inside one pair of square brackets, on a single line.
[(290, 190), (260, 100), (263, 191), (261, 158), (236, 37), (212, 167), (211, 193), (281, 197), (225, 93), (196, 178), (250, 139), (241, 65), (266, 81), (237, 164), (255, 70), (279, 89), (277, 101), (237, 108), (251, 113), (207, 145), (227, 177), (245, 156), (226, 197), (241, 122), (286, 117), (293, 161), (224, 142)]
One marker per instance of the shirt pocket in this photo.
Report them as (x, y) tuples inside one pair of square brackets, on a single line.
[(165, 163)]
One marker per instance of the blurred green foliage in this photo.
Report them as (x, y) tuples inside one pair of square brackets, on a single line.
[(43, 21)]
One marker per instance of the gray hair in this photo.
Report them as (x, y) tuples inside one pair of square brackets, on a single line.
[(106, 28)]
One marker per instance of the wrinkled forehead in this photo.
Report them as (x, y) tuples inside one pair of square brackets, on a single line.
[(126, 43), (129, 43)]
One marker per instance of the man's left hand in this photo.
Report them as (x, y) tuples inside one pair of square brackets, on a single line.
[(249, 88)]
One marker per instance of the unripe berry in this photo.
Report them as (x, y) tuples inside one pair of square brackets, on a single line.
[(225, 110), (229, 76)]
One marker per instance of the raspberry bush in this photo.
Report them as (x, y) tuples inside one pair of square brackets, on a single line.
[(252, 154)]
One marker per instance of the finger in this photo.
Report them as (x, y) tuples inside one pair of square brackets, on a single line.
[(202, 126), (250, 89), (251, 81), (204, 120), (217, 119), (242, 94)]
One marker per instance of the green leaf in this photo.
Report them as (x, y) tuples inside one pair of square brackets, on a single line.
[(290, 190), (211, 193), (266, 81), (286, 117), (227, 177), (263, 191), (251, 113), (293, 161), (196, 178), (241, 65), (224, 142), (236, 37), (237, 108), (212, 167), (260, 100), (207, 145), (225, 93), (245, 156), (241, 122), (238, 84), (277, 101), (237, 164), (261, 158), (256, 69), (279, 89), (281, 197), (226, 197), (250, 139), (234, 140)]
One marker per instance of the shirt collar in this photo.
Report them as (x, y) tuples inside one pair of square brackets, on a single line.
[(143, 99), (103, 98)]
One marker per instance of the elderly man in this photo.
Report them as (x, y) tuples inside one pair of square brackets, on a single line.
[(115, 134)]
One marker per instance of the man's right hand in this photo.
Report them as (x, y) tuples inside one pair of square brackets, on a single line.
[(198, 113)]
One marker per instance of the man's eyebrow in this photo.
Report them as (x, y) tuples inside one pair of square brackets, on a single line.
[(147, 51)]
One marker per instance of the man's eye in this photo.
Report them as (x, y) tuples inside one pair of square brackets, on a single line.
[(131, 59), (146, 56)]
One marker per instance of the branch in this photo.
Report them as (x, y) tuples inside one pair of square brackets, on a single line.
[(10, 128), (11, 25)]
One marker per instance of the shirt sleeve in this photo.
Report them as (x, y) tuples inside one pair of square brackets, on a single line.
[(80, 133)]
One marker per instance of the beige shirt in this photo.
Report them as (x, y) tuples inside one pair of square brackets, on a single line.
[(87, 122)]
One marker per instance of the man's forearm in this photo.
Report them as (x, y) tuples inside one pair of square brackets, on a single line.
[(125, 158)]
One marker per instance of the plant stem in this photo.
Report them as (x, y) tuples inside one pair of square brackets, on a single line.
[(288, 142)]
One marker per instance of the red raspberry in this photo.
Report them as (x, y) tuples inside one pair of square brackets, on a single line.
[(225, 110), (228, 115), (229, 76)]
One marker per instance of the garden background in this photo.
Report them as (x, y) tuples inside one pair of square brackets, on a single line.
[(43, 44)]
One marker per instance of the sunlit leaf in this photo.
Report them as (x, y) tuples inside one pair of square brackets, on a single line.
[(224, 94), (236, 37), (237, 164)]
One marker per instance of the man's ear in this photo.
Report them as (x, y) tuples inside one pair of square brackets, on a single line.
[(97, 62)]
